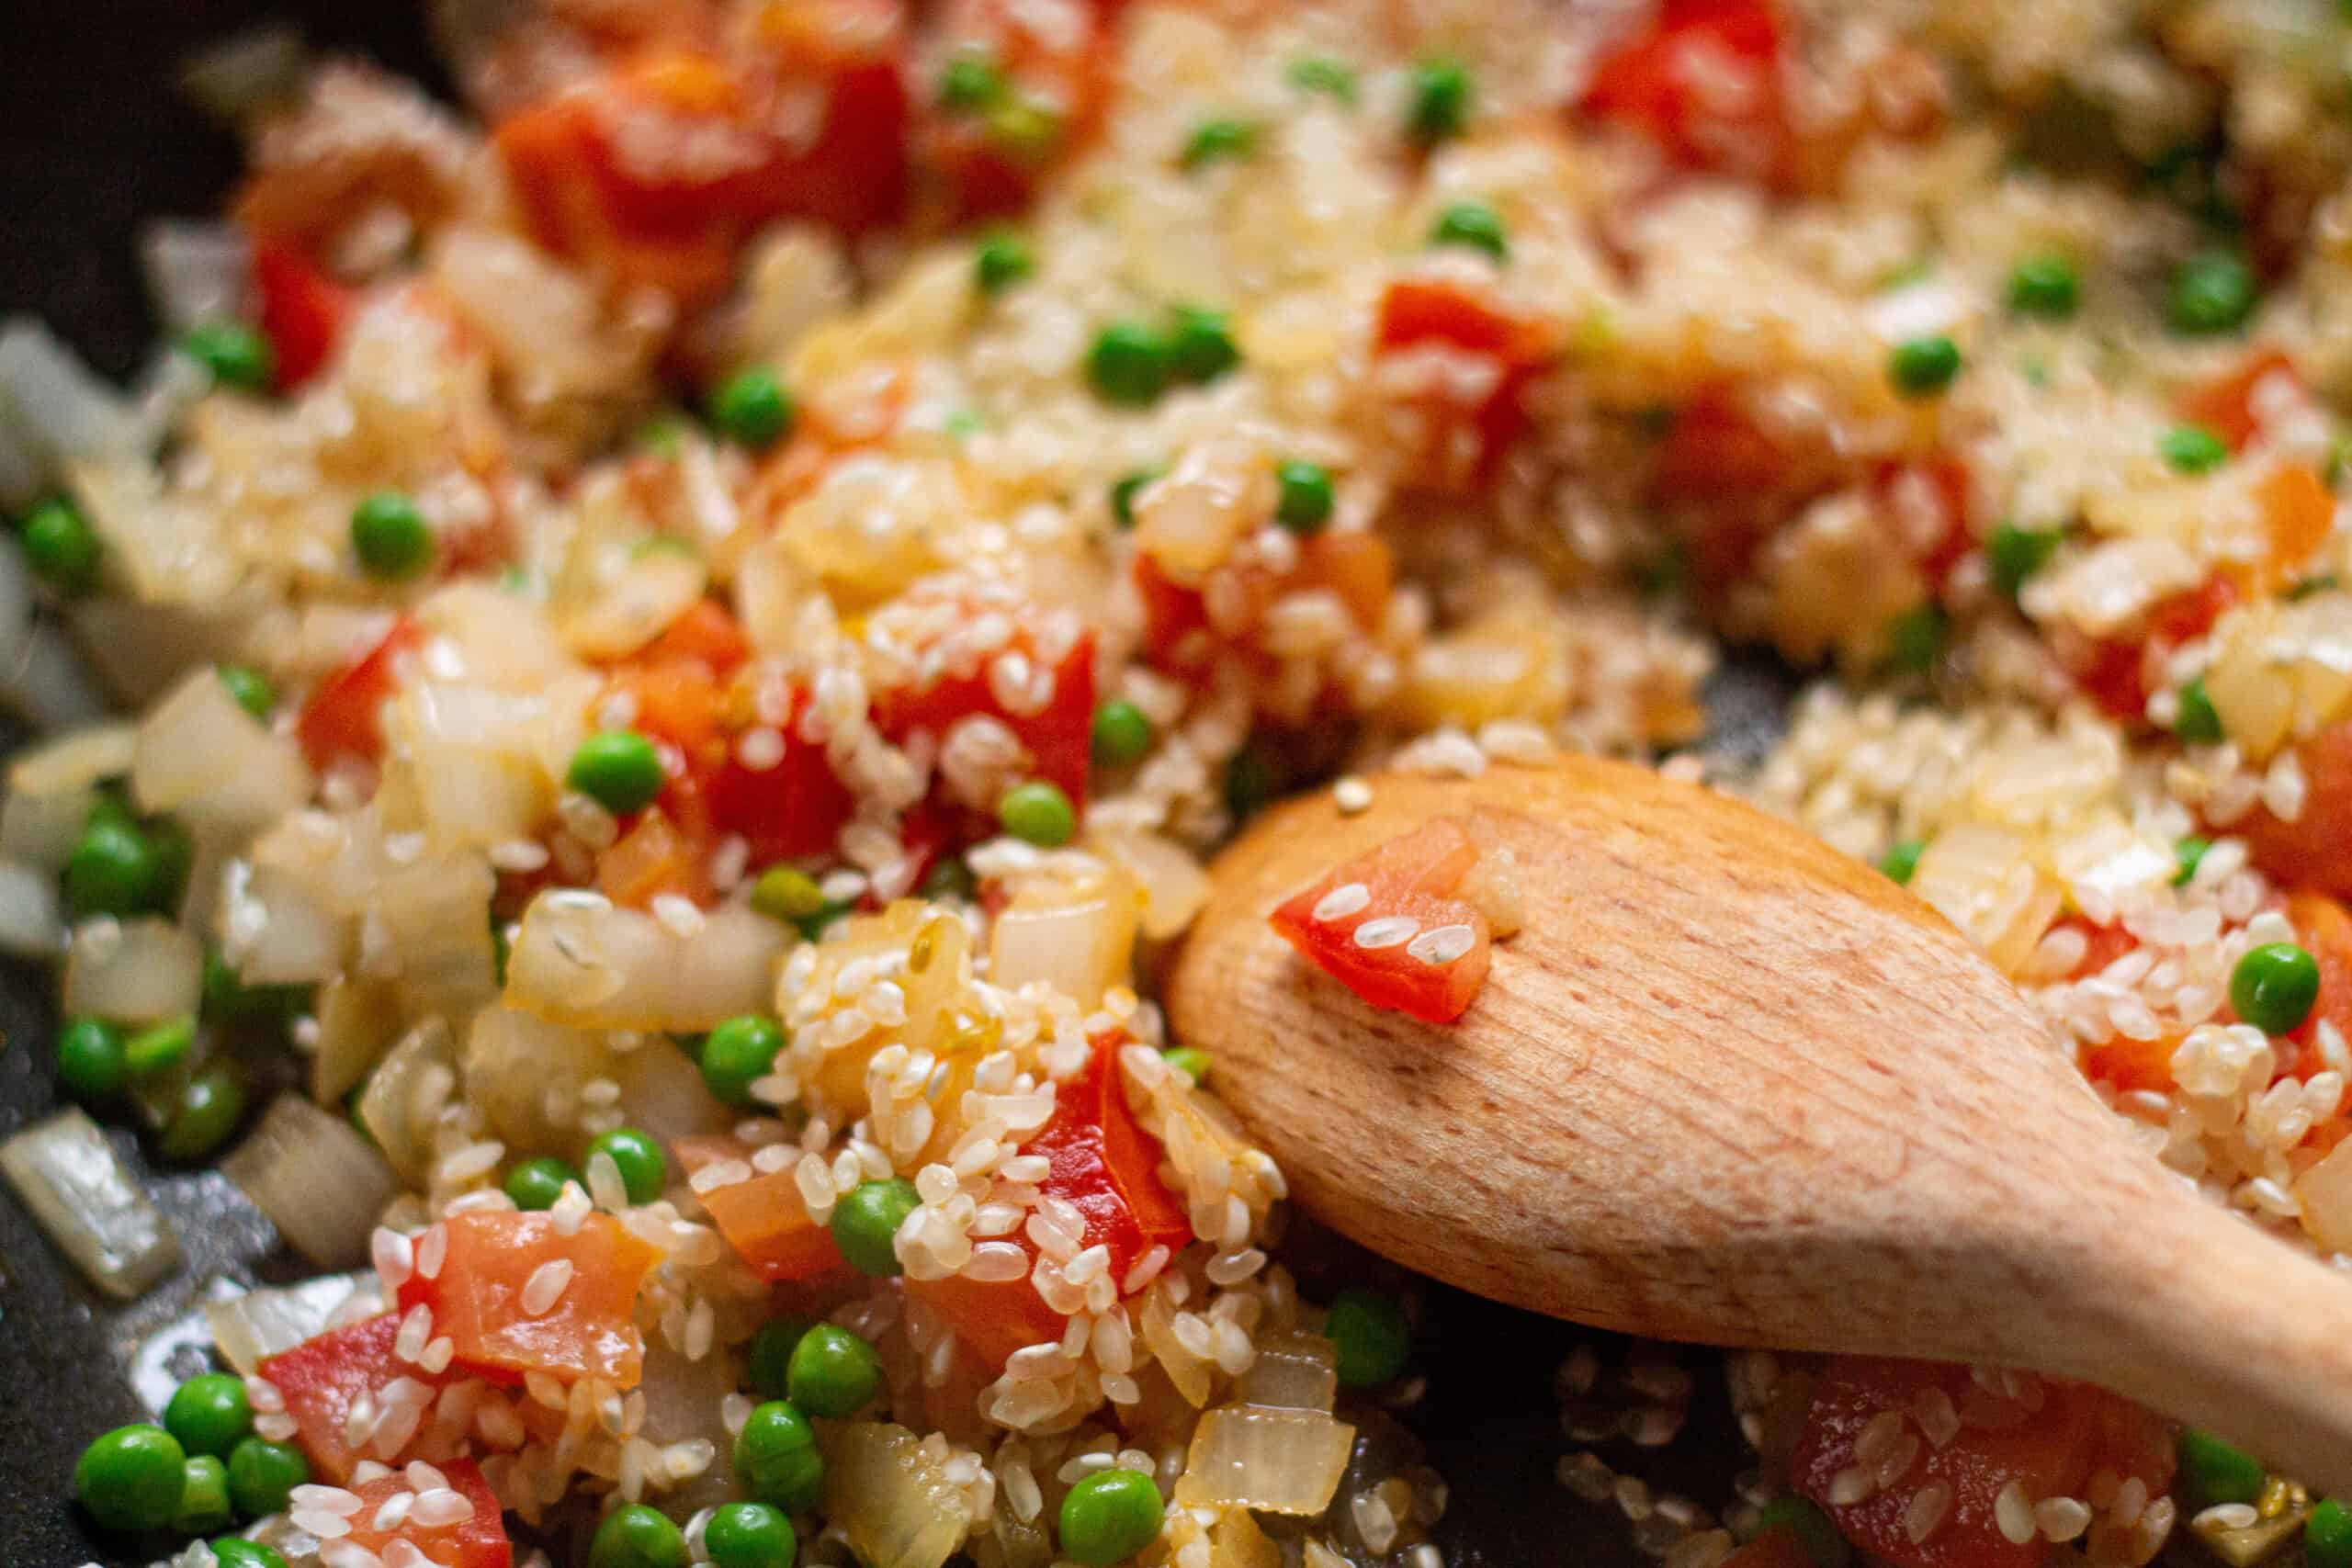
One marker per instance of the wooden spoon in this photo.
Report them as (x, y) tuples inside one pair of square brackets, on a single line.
[(1729, 1086)]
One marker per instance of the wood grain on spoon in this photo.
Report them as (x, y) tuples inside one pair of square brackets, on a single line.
[(1728, 1085)]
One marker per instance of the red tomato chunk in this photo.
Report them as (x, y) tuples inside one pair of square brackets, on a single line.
[(1388, 927), (324, 1376), (343, 720), (764, 1219), (485, 1292), (428, 1520)]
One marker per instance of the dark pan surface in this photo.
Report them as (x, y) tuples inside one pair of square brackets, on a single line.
[(92, 141)]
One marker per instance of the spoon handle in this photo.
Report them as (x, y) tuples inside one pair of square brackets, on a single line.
[(2195, 1312)]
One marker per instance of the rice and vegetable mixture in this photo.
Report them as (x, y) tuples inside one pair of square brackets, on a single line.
[(690, 628)]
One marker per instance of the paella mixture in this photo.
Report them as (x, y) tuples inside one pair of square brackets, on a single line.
[(689, 627)]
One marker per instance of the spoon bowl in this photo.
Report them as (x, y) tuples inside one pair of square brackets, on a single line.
[(1726, 1085)]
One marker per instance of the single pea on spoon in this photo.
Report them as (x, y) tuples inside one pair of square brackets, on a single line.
[(1727, 1086)]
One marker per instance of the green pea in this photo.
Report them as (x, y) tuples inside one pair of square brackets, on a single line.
[(262, 1472), (1915, 638), (1304, 497), (210, 1105), (115, 869), (204, 1496), (776, 1457), (1123, 495), (159, 1045), (2190, 853), (619, 769), (1321, 73), (785, 892), (1200, 346), (866, 1220), (2193, 449), (1038, 813), (663, 434), (249, 689), (1023, 127), (1122, 733), (61, 547), (634, 1536), (737, 1054), (768, 1364), (969, 81), (209, 1413), (644, 1168), (2213, 1470), (1472, 223), (535, 1184), (2199, 722), (1109, 1517), (233, 353), (2274, 986), (2327, 1535), (833, 1372), (2015, 554), (1814, 1531), (236, 1552), (951, 878), (749, 1535), (388, 536), (131, 1479), (1213, 141), (2213, 291), (751, 409), (1369, 1331), (1188, 1060), (1002, 261), (1900, 861), (2045, 286), (1923, 366), (2318, 583), (1128, 364), (1440, 101), (90, 1064)]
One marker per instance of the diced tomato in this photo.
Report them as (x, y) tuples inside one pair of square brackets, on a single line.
[(1776, 1548), (1358, 567), (323, 1376), (1674, 83), (677, 705), (763, 1219), (1105, 1166), (1938, 487), (2122, 1062), (477, 1297), (1066, 65), (706, 635), (653, 857), (2324, 929), (1058, 737), (993, 1318), (793, 809), (2226, 406), (1411, 880), (479, 1541), (2315, 850), (2113, 672), (343, 717), (302, 310), (1465, 439), (2047, 1453), (1731, 481), (2298, 514)]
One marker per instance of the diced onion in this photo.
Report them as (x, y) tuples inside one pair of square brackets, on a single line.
[(482, 775), (685, 1400), (896, 1505), (612, 616), (356, 1020), (196, 272), (1077, 938), (57, 402), (394, 1108), (30, 923), (1283, 1461), (1291, 1371), (137, 971), (50, 685), (1174, 883), (321, 1184), (276, 933), (526, 1076), (665, 1093), (251, 1328), (89, 1205), (138, 649), (167, 548), (580, 959), (75, 763), (432, 916), (40, 831), (203, 758)]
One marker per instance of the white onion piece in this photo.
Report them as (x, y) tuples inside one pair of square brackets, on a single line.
[(170, 550), (525, 1076), (75, 763), (480, 772), (896, 1505), (89, 1205), (1294, 1370), (685, 1400), (30, 923), (276, 932), (51, 687), (612, 616), (1245, 1456), (137, 971), (1078, 940), (202, 757), (24, 468), (196, 272), (1175, 884), (52, 397), (393, 1107), (40, 831), (356, 1022), (321, 1183), (664, 1091), (487, 637), (431, 914), (251, 1328), (580, 959)]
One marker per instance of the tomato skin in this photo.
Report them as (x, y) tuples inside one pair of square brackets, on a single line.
[(1357, 566), (478, 1541), (794, 809), (321, 1377), (2111, 672), (1648, 85), (343, 717), (763, 1219), (1106, 1167), (476, 1297), (2314, 850), (1059, 737), (1414, 874), (2051, 1451), (302, 312), (1426, 312), (2225, 405), (992, 1318)]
